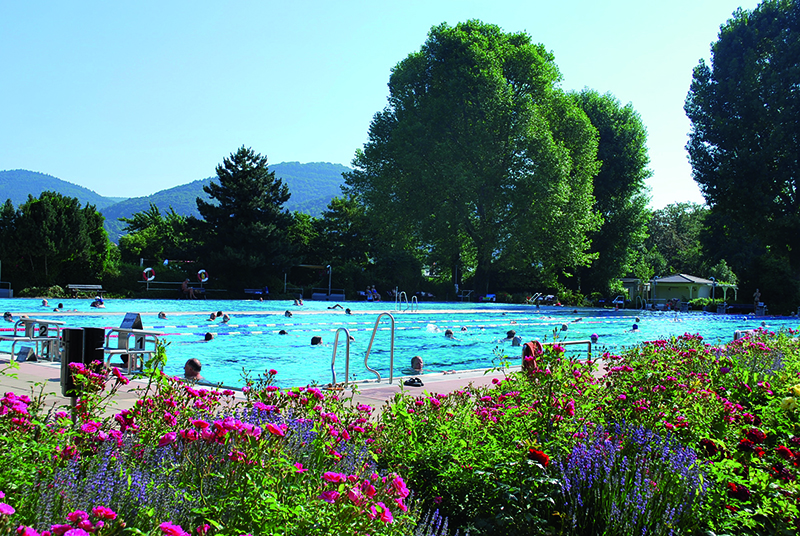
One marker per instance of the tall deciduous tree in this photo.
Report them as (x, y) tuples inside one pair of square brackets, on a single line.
[(245, 223), (480, 150), (619, 188), (54, 241), (745, 141)]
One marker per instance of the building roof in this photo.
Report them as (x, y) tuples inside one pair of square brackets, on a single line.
[(683, 279)]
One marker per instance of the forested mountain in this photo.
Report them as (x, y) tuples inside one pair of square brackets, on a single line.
[(16, 184), (312, 186)]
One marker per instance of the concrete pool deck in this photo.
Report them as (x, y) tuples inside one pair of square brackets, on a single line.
[(31, 378)]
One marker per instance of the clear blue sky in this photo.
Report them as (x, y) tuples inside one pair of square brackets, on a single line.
[(128, 98)]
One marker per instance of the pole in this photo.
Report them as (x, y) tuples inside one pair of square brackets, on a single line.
[(330, 273)]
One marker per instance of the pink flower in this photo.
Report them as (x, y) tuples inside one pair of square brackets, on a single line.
[(202, 530), (167, 439), (334, 477), (6, 509), (273, 372), (77, 516), (101, 512), (76, 532), (119, 376), (400, 487), (329, 496), (355, 495), (26, 531), (400, 505), (299, 468), (197, 423), (386, 515), (90, 427), (275, 430), (236, 456), (168, 529)]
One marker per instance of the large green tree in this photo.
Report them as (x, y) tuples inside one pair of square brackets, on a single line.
[(744, 143), (246, 238), (674, 235), (153, 236), (53, 240), (620, 192), (479, 150)]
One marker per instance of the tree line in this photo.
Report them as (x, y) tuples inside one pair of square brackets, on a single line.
[(482, 173)]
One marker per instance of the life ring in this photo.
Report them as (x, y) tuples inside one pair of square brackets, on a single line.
[(149, 274), (202, 276)]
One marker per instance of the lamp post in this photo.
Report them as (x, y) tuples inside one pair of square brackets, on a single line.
[(330, 273), (713, 288)]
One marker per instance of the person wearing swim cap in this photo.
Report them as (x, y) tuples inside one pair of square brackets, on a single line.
[(635, 327), (593, 337)]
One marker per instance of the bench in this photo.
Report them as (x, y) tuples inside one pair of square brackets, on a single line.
[(89, 289), (257, 291)]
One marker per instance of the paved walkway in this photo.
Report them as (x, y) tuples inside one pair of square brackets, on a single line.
[(33, 377)]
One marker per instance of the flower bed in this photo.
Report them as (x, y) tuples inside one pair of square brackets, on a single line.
[(675, 437)]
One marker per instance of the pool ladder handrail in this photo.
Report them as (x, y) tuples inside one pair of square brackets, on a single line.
[(398, 301), (391, 350), (347, 356)]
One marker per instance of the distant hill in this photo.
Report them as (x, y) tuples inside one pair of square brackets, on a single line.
[(16, 184), (312, 187)]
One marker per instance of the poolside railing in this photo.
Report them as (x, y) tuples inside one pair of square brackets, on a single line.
[(391, 351)]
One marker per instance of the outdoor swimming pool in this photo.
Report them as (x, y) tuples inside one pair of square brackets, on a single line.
[(250, 341)]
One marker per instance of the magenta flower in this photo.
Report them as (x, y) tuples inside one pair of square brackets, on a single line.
[(329, 496), (76, 532), (273, 372), (6, 509), (101, 512), (77, 516), (168, 529), (236, 456), (334, 477), (197, 423), (275, 430), (26, 531), (202, 530), (167, 439), (386, 515), (400, 487), (90, 427), (299, 468)]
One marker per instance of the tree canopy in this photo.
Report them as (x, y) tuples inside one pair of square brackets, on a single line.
[(620, 192), (479, 155), (744, 143), (246, 227)]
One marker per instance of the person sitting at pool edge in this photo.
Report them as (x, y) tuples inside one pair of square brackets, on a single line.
[(191, 370), (186, 289)]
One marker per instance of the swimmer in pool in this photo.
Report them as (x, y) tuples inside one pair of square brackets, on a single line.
[(635, 327), (287, 314), (512, 336), (162, 315), (448, 334), (337, 306), (191, 370)]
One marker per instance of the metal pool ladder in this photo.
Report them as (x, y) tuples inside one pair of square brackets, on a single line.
[(366, 357), (398, 302)]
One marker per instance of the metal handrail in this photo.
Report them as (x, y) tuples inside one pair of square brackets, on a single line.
[(347, 356), (414, 301), (398, 300), (391, 353)]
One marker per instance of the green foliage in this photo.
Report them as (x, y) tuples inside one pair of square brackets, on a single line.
[(619, 190), (744, 141), (675, 235), (245, 229), (479, 151), (52, 240)]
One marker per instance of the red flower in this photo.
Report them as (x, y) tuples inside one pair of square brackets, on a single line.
[(780, 472), (784, 453), (538, 456), (738, 491), (755, 435), (708, 447)]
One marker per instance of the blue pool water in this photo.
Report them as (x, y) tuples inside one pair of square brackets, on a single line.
[(250, 341)]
